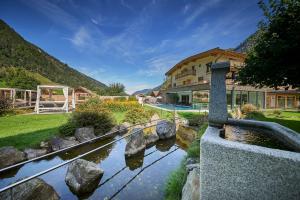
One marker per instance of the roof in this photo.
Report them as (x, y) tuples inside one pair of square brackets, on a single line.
[(211, 52), (85, 90)]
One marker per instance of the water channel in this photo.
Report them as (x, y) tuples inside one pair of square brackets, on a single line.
[(140, 177)]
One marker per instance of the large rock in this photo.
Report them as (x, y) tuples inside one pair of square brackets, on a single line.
[(191, 189), (10, 155), (83, 176), (33, 153), (151, 138), (58, 143), (123, 128), (136, 142), (35, 189), (84, 134), (165, 129)]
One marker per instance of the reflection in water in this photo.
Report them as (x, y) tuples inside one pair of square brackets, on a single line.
[(122, 178), (96, 157), (250, 136), (136, 161), (165, 145)]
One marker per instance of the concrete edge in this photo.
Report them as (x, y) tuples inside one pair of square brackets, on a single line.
[(212, 136)]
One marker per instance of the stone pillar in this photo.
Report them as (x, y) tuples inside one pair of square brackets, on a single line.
[(218, 103)]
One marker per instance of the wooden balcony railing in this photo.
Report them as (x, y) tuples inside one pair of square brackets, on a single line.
[(186, 73)]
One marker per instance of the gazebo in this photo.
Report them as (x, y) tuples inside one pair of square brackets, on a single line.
[(53, 98), (20, 98)]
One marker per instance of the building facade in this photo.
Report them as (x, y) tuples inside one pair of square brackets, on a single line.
[(188, 82)]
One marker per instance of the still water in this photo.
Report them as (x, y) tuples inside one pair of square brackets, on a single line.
[(255, 137), (141, 177)]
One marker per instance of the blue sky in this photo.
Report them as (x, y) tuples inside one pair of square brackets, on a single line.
[(127, 41)]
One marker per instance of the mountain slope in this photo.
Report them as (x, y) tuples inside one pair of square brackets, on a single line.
[(248, 43), (17, 52)]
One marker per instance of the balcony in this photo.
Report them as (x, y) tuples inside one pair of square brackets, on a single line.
[(186, 73)]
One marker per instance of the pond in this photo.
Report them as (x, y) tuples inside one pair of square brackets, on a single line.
[(252, 136), (141, 177)]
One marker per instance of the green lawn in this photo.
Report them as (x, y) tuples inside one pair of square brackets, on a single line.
[(24, 131), (290, 119), (119, 116)]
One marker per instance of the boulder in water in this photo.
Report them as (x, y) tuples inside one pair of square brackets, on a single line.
[(123, 128), (84, 134), (35, 189), (10, 155), (58, 143), (33, 153), (151, 138), (136, 142), (83, 176), (165, 129), (191, 189)]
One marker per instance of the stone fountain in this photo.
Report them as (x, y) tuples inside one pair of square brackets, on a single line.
[(234, 170)]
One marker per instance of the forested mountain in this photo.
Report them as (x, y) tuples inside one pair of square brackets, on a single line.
[(19, 53), (248, 43)]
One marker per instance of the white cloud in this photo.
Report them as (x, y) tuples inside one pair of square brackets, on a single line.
[(81, 37), (186, 8), (94, 21), (198, 11)]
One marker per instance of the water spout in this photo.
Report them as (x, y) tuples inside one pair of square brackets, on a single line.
[(218, 115)]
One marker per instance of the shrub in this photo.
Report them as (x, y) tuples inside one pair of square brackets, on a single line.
[(101, 121), (255, 115), (138, 115), (120, 106), (120, 99), (67, 129), (277, 112), (247, 108), (5, 106), (198, 120), (132, 98)]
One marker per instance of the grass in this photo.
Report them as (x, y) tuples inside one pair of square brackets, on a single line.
[(163, 114), (23, 131), (119, 116), (177, 178), (290, 119)]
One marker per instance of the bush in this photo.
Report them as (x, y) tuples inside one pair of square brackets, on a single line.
[(120, 99), (132, 98), (255, 115), (247, 108), (101, 121), (198, 120), (5, 106), (120, 106), (138, 115), (277, 112), (67, 129)]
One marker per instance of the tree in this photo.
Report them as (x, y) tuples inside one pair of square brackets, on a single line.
[(17, 78), (273, 61), (115, 89)]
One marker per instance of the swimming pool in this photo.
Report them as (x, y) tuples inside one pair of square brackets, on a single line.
[(177, 107)]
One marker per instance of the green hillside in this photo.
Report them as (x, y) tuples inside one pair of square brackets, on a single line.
[(21, 78), (17, 52)]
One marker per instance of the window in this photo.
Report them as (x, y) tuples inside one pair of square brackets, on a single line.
[(174, 84), (200, 78), (199, 65), (208, 67)]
